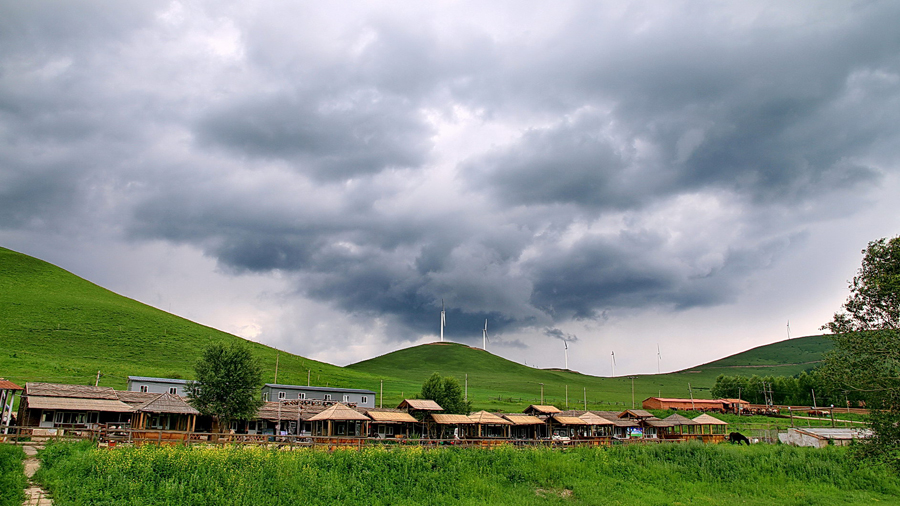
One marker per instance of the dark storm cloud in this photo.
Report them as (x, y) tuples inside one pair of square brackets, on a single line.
[(599, 158), (329, 138)]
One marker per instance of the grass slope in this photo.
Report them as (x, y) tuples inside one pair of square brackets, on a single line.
[(497, 383), (57, 327)]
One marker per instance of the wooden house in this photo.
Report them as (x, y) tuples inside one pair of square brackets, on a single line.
[(564, 427), (391, 423), (449, 426), (711, 429), (682, 427), (489, 425), (282, 418), (719, 405), (420, 409), (541, 411), (526, 426), (623, 428), (596, 426), (340, 420), (54, 405)]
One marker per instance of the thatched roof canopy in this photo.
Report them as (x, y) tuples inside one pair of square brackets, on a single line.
[(167, 403), (390, 416), (595, 419), (420, 405), (448, 419), (340, 412), (71, 391), (705, 419), (485, 418), (542, 409), (676, 419), (523, 419), (75, 404), (569, 420)]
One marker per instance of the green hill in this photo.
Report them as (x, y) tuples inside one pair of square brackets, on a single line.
[(57, 327), (497, 383)]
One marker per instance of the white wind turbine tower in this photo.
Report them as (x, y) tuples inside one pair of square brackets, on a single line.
[(614, 364), (484, 336), (658, 358), (443, 320), (567, 354)]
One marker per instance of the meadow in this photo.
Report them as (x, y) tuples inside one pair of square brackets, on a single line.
[(12, 475), (77, 474)]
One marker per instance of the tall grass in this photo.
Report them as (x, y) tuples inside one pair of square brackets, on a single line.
[(12, 475), (658, 474)]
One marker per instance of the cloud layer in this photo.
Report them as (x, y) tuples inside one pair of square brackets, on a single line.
[(534, 166)]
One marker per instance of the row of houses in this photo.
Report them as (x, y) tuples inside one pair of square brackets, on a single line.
[(155, 404)]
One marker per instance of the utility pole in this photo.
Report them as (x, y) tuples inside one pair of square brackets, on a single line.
[(382, 394), (277, 354), (542, 394), (632, 392), (466, 394), (585, 398), (97, 383), (567, 396)]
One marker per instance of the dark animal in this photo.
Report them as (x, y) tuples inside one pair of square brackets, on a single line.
[(737, 437)]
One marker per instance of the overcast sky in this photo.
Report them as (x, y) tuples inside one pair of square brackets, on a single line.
[(629, 177)]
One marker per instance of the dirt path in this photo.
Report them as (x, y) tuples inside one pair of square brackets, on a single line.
[(34, 495)]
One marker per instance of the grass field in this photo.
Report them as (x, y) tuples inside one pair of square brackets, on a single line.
[(634, 474), (57, 327), (12, 475)]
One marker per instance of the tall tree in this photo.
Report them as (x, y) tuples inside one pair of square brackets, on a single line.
[(447, 392), (866, 357), (228, 384)]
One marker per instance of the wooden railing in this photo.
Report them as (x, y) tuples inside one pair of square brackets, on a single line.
[(111, 437)]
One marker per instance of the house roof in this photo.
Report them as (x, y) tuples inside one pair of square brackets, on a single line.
[(420, 404), (71, 391), (523, 419), (443, 418), (676, 419), (485, 418), (390, 416), (656, 422), (595, 419), (613, 417), (339, 412), (76, 404), (136, 398), (705, 419), (569, 420), (636, 413), (9, 385), (542, 408), (167, 403)]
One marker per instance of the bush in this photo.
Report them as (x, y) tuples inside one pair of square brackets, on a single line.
[(12, 475)]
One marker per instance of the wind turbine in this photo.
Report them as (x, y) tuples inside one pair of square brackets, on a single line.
[(484, 336), (614, 364), (658, 358), (789, 329), (443, 320), (567, 354)]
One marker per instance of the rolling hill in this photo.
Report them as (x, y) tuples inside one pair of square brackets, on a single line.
[(57, 327)]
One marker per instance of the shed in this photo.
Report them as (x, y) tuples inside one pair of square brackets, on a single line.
[(390, 423), (447, 425), (166, 412), (525, 426), (682, 426), (50, 405), (490, 425), (711, 429), (822, 437), (340, 420)]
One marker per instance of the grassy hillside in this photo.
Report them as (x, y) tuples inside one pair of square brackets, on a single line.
[(497, 383), (57, 327)]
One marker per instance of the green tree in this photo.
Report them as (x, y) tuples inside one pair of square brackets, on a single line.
[(865, 361), (447, 392), (228, 384)]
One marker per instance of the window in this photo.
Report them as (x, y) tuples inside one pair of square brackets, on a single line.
[(265, 397), (281, 395), (327, 397), (364, 400), (301, 395), (173, 390), (144, 388), (346, 398)]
